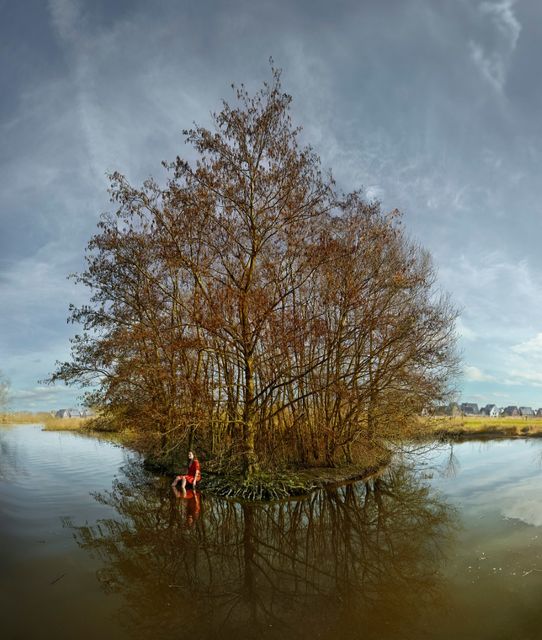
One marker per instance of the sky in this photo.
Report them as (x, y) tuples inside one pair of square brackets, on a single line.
[(430, 106)]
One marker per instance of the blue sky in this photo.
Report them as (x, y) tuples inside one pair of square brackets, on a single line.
[(431, 106)]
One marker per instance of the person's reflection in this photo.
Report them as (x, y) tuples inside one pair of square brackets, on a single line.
[(191, 502)]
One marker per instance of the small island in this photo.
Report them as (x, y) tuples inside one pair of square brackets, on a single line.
[(250, 310)]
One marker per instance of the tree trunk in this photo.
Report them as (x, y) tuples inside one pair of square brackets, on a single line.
[(250, 464)]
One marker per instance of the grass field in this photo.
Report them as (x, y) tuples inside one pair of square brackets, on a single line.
[(485, 426)]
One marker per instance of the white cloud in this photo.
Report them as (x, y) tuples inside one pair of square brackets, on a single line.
[(523, 363), (500, 297), (464, 331), (532, 347), (374, 192), (37, 393), (474, 374), (504, 19), (500, 326), (494, 64), (42, 398), (525, 376), (65, 16)]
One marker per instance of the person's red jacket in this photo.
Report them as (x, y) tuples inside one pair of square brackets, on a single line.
[(194, 472)]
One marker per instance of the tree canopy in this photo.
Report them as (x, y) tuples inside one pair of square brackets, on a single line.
[(249, 308)]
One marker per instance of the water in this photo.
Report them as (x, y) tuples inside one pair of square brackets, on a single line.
[(447, 546)]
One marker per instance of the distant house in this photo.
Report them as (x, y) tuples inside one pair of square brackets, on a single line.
[(469, 408), (491, 410), (440, 410), (510, 411), (453, 409), (73, 413), (445, 410), (526, 411), (539, 413)]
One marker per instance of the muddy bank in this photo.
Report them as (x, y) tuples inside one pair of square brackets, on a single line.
[(265, 486)]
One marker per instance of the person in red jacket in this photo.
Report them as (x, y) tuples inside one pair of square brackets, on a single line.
[(193, 475)]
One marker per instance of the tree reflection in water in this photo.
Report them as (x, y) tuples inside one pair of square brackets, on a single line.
[(361, 560)]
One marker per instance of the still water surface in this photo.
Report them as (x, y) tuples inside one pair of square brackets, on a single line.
[(91, 546)]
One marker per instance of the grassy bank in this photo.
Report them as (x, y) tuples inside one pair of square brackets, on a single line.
[(484, 426), (49, 422)]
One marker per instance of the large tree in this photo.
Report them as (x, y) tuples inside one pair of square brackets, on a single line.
[(250, 307)]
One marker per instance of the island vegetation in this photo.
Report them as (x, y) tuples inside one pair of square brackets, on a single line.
[(249, 309)]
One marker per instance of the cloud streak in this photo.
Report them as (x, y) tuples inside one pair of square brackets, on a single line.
[(494, 63)]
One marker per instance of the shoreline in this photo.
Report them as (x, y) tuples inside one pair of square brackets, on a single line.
[(296, 482), (264, 486)]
